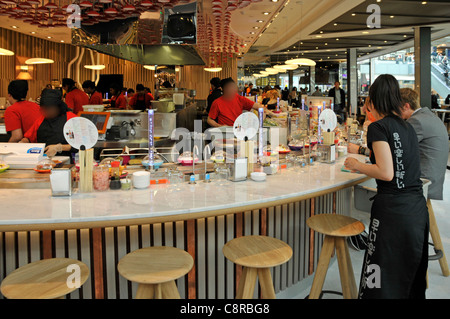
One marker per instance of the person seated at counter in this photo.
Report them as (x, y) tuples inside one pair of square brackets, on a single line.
[(48, 128), (433, 141), (118, 100), (141, 100), (398, 238), (75, 98), (21, 114), (95, 97), (225, 109)]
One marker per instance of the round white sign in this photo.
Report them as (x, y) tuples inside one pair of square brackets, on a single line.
[(246, 125), (80, 131), (327, 120)]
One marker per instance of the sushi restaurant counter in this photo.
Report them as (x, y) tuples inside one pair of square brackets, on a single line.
[(36, 209), (99, 228)]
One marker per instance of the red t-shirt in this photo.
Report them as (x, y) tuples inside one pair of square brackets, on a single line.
[(21, 115), (31, 134), (96, 99), (226, 112), (147, 98), (75, 100), (120, 101)]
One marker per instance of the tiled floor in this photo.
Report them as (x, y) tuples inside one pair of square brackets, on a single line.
[(439, 286)]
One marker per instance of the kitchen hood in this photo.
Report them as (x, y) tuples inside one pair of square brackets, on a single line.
[(162, 37)]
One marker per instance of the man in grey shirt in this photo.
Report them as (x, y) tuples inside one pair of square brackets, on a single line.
[(433, 141)]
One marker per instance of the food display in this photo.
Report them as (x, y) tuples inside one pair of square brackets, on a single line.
[(296, 145), (282, 149), (186, 159), (218, 157), (270, 122), (157, 162), (45, 165)]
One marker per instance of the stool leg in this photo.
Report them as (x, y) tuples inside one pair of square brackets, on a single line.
[(436, 237), (345, 269), (322, 267), (247, 283), (265, 280), (158, 291), (145, 291), (170, 290)]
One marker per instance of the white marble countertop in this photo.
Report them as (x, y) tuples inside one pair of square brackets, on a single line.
[(37, 206)]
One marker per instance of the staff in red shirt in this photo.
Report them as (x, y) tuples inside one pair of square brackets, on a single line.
[(48, 128), (118, 100), (141, 100), (75, 98), (225, 109), (21, 115), (95, 97)]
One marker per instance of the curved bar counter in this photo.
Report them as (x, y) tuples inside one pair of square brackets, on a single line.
[(99, 228)]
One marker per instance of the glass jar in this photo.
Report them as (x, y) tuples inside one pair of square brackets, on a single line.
[(222, 174), (101, 178)]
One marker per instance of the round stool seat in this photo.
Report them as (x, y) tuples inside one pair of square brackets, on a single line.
[(155, 265), (43, 279), (257, 251), (335, 225)]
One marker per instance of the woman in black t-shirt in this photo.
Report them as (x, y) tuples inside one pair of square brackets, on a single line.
[(396, 260)]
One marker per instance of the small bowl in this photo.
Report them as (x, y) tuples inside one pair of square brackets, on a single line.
[(258, 176)]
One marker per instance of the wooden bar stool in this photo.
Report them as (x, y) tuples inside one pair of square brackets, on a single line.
[(335, 228), (436, 237), (44, 279), (155, 269), (257, 254)]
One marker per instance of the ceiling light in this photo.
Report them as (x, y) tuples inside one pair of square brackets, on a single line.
[(252, 32), (266, 13), (33, 32), (378, 0), (285, 66), (272, 71), (379, 47), (365, 32), (326, 43), (274, 0), (335, 24), (39, 61), (404, 35), (385, 41), (392, 17), (337, 39), (353, 14), (259, 21), (95, 66), (424, 2), (6, 52), (318, 36), (256, 28), (301, 61), (14, 27), (62, 41), (49, 37), (149, 67), (212, 69), (257, 75), (321, 31), (264, 73)]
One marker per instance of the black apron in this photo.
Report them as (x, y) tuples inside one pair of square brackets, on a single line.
[(113, 102), (140, 104), (396, 260)]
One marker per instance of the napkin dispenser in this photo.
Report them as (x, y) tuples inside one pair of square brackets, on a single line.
[(61, 181), (21, 155), (326, 153), (238, 169)]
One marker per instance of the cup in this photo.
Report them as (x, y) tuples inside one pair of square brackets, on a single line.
[(101, 178), (141, 179)]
